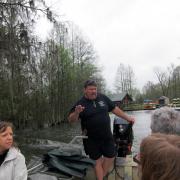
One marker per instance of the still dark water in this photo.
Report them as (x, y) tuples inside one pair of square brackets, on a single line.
[(38, 142)]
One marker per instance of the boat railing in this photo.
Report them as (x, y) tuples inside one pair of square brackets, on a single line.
[(76, 138)]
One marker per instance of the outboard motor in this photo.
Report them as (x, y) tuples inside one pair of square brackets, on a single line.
[(123, 136)]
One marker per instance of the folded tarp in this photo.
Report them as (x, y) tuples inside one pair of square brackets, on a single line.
[(69, 160)]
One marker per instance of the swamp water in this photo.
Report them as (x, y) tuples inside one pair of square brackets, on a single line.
[(38, 142)]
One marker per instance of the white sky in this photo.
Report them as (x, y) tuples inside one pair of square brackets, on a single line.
[(141, 33)]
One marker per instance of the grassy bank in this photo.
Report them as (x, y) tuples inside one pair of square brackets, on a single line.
[(133, 107)]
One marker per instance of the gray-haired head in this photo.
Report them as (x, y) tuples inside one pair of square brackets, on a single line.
[(165, 120)]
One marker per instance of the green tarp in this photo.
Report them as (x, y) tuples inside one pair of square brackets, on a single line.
[(68, 160)]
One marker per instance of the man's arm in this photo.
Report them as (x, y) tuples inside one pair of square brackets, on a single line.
[(74, 116), (118, 112)]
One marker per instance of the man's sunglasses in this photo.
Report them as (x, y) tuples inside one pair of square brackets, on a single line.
[(136, 158)]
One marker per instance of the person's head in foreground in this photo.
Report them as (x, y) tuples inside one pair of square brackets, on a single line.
[(165, 120), (12, 162), (160, 157), (6, 136)]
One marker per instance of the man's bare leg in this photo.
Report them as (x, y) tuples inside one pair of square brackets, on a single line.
[(107, 163), (102, 167), (99, 169)]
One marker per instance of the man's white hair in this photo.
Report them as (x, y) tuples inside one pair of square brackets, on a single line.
[(165, 120)]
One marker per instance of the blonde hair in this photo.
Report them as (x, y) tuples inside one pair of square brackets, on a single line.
[(160, 157)]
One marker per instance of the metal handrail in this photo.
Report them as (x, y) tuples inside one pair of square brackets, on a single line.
[(34, 167), (77, 137)]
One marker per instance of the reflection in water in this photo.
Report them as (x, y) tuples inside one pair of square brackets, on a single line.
[(33, 142), (141, 127)]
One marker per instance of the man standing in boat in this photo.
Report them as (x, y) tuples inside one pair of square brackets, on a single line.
[(93, 111)]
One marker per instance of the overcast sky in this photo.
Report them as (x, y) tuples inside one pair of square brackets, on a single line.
[(141, 33)]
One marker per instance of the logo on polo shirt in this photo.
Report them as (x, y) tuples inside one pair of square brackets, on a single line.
[(101, 103)]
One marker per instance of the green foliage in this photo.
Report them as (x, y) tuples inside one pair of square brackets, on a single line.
[(39, 81)]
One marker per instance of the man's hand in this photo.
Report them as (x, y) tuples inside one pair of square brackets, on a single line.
[(118, 112), (131, 119), (79, 109), (74, 116)]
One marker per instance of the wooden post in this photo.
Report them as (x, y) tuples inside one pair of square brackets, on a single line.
[(126, 168)]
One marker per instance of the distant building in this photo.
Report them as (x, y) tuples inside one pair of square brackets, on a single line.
[(122, 99), (148, 101), (149, 104), (175, 102)]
